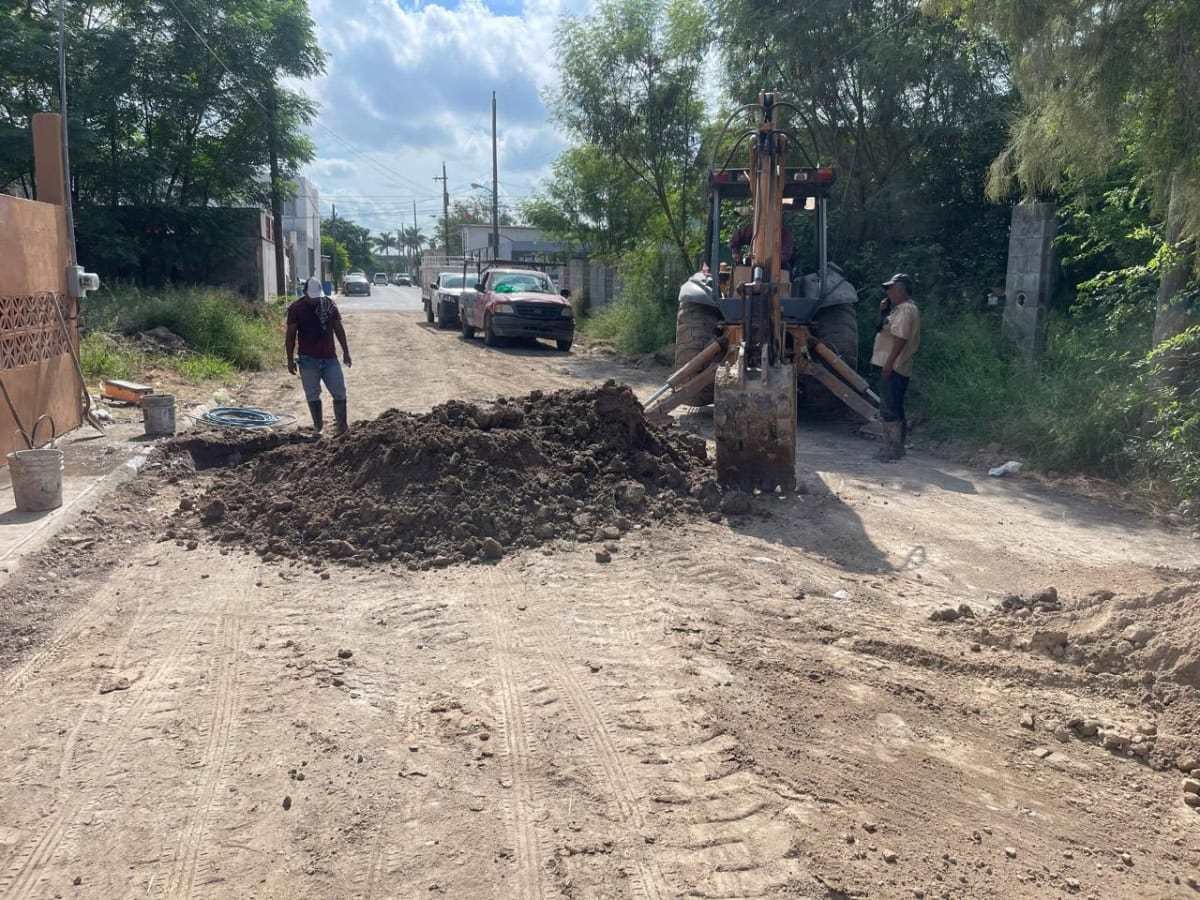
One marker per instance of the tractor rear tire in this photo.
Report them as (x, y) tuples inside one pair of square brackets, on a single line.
[(837, 328), (695, 329)]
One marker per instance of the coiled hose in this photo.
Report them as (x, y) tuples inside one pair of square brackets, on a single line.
[(242, 417)]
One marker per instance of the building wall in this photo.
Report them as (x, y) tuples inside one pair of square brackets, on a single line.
[(478, 239), (302, 229)]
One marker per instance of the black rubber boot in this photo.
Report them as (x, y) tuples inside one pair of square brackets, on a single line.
[(318, 415), (339, 414), (893, 442)]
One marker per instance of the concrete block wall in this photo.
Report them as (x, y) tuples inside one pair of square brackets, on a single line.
[(1032, 267)]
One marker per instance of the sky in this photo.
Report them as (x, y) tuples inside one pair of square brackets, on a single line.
[(408, 85)]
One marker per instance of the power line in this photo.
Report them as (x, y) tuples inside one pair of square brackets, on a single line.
[(403, 179)]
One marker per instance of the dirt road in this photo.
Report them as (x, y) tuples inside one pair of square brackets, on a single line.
[(745, 708)]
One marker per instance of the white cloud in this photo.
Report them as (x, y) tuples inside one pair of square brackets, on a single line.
[(410, 86)]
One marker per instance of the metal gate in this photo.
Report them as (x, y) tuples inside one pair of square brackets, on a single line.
[(38, 319)]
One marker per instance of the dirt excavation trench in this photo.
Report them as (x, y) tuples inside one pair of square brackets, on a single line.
[(526, 648)]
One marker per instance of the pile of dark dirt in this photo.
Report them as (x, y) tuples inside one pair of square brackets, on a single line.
[(460, 483)]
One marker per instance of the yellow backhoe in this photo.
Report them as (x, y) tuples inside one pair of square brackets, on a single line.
[(763, 339)]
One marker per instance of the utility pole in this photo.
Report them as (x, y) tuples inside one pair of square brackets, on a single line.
[(333, 241), (495, 187), (276, 189), (445, 211), (416, 231)]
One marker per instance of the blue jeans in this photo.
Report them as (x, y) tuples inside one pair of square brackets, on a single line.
[(314, 370), (891, 398)]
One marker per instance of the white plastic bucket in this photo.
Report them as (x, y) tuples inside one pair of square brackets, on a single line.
[(158, 414), (37, 477)]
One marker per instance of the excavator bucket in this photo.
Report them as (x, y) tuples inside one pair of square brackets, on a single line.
[(755, 423)]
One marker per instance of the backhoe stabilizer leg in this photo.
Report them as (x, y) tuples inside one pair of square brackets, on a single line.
[(755, 422)]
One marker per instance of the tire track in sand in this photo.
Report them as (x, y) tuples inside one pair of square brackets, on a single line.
[(516, 749)]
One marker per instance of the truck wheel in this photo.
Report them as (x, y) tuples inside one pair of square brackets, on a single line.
[(695, 328), (837, 327), (489, 336), (564, 344), (467, 331)]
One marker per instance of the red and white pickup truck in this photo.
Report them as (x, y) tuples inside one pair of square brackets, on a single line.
[(515, 302)]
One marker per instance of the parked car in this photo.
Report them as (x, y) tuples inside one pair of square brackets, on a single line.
[(381, 278), (516, 303), (356, 283), (403, 281), (441, 303)]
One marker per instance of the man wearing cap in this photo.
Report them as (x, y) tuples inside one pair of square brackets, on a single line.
[(896, 343)]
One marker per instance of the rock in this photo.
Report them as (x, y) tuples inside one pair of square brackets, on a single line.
[(1191, 786), (603, 556), (610, 533), (1073, 885), (1127, 859), (946, 614), (870, 827), (735, 503), (965, 611), (1047, 641), (1046, 597), (1124, 648), (889, 856), (339, 549), (1138, 634), (1087, 728), (1192, 800), (491, 548), (630, 494), (186, 504), (1042, 752), (1027, 721), (1062, 734), (1147, 728), (1115, 742), (287, 802), (213, 512), (117, 684), (345, 654), (192, 545), (1010, 852)]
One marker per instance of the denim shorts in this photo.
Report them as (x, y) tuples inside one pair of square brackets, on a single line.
[(314, 370)]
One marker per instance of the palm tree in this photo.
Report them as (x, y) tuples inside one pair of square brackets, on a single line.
[(413, 240), (385, 242)]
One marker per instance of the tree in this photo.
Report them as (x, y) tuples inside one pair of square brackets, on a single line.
[(1103, 82), (907, 108), (354, 238), (630, 87), (160, 116), (591, 203), (385, 242), (339, 261)]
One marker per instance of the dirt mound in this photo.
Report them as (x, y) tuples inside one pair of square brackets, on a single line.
[(1157, 634), (462, 482)]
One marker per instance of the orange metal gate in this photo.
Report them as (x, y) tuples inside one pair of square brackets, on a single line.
[(36, 368)]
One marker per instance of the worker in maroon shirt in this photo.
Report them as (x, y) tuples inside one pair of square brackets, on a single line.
[(315, 320)]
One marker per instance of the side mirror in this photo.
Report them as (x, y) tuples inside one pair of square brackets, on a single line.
[(479, 287)]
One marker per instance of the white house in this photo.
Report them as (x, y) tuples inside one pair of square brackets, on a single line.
[(302, 232)]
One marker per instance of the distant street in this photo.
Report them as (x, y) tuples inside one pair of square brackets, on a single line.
[(383, 299)]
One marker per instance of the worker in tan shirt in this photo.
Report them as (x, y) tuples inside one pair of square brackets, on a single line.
[(896, 343)]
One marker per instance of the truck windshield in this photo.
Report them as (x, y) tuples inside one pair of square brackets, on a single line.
[(514, 282), (451, 281)]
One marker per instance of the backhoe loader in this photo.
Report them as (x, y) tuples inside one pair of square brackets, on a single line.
[(762, 337)]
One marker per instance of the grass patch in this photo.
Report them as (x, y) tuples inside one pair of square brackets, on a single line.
[(103, 357), (204, 367), (632, 327), (215, 323)]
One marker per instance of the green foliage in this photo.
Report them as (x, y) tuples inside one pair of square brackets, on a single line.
[(155, 119), (631, 77), (213, 322), (352, 239), (642, 319), (591, 203), (204, 367), (1174, 438), (103, 357), (908, 109), (340, 259)]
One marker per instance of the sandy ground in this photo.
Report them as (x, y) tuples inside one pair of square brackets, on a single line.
[(753, 709)]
